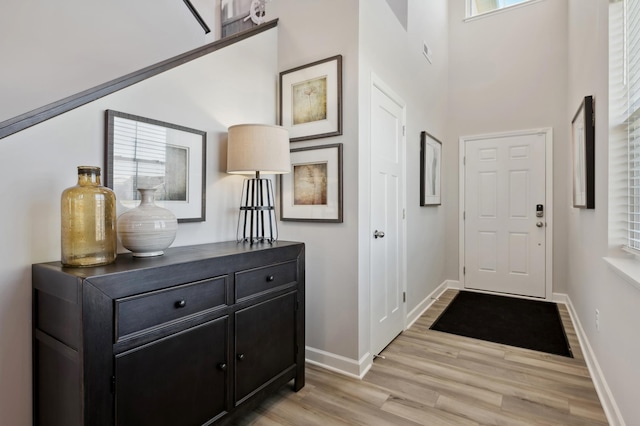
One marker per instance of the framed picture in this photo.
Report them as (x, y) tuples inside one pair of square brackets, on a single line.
[(142, 153), (311, 100), (584, 161), (312, 192), (430, 169)]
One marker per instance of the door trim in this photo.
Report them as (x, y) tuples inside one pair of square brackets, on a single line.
[(548, 132)]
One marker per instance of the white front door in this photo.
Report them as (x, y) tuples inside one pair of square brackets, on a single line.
[(387, 202), (505, 214)]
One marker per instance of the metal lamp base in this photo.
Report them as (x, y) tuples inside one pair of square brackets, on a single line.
[(257, 218)]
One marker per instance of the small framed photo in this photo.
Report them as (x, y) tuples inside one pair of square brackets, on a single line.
[(312, 192), (311, 100), (583, 148), (142, 152), (430, 169)]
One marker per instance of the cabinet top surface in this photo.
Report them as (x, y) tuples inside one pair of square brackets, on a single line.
[(125, 262)]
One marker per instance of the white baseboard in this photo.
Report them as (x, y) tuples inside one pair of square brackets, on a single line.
[(560, 298), (338, 363), (428, 301), (358, 368), (455, 284), (609, 405)]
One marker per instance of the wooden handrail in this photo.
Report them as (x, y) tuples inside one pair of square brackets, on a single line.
[(36, 116)]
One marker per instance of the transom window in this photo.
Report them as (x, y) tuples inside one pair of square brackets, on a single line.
[(479, 7)]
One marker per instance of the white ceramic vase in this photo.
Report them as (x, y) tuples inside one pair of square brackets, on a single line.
[(148, 229)]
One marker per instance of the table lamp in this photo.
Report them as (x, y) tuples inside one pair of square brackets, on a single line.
[(257, 148)]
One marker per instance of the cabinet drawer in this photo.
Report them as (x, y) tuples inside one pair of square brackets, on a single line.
[(147, 310), (262, 280)]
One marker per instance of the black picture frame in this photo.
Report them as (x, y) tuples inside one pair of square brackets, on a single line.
[(327, 210), (190, 149), (430, 170), (583, 155), (325, 78)]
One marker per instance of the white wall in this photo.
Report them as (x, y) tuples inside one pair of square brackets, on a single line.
[(508, 71), (67, 46), (308, 31), (394, 56), (233, 85), (338, 323), (591, 284)]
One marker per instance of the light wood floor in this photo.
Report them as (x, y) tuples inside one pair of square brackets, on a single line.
[(434, 378)]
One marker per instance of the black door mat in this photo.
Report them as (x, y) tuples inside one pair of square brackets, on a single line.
[(530, 324)]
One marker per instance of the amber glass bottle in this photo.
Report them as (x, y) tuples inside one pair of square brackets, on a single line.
[(88, 221)]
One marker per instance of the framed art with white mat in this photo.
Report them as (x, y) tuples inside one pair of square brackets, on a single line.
[(311, 100), (312, 192)]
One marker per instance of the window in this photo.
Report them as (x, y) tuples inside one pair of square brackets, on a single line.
[(632, 56), (624, 107), (632, 62), (480, 7)]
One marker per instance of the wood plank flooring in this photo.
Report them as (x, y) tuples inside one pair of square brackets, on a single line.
[(433, 378)]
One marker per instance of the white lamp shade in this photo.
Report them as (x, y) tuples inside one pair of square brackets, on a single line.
[(258, 148)]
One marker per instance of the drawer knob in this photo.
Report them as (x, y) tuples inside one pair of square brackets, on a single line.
[(270, 278), (222, 366), (240, 357), (181, 303)]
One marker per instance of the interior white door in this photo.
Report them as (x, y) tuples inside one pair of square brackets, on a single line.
[(387, 202), (504, 214)]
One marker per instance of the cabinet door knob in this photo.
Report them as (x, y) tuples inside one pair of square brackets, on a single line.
[(270, 278), (240, 357), (181, 303), (222, 366)]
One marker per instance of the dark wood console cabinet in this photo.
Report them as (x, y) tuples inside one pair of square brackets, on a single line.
[(192, 337)]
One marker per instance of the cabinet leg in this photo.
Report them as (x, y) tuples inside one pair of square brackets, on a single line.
[(298, 382)]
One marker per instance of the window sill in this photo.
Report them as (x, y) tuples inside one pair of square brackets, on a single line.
[(496, 11), (628, 268)]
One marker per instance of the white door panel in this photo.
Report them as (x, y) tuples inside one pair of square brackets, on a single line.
[(504, 241), (386, 207)]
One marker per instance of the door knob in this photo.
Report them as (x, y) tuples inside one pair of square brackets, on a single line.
[(539, 224), (378, 234)]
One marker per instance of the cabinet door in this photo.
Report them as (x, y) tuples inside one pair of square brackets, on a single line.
[(265, 343), (178, 380)]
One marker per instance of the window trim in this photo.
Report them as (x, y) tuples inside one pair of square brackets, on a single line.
[(469, 17)]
